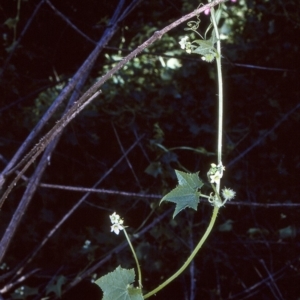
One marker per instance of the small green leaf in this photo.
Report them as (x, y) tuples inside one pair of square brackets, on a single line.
[(56, 285), (11, 46), (205, 47), (117, 285), (288, 232), (186, 194), (187, 179), (23, 292), (11, 22), (154, 169), (226, 227)]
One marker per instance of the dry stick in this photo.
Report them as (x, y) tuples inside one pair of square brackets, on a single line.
[(33, 182), (260, 139), (72, 210), (90, 95), (62, 16), (27, 196), (152, 196), (31, 156), (127, 159), (273, 286), (256, 287), (21, 279), (11, 166), (155, 196)]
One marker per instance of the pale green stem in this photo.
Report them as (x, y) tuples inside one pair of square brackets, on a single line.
[(220, 89), (191, 257), (217, 190), (135, 258)]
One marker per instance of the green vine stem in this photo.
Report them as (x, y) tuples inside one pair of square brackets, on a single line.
[(191, 257), (220, 90), (135, 258), (220, 138)]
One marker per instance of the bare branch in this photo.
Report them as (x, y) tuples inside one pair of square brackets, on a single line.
[(261, 138), (73, 209), (31, 156), (69, 22)]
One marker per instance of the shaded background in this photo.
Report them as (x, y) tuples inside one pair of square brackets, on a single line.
[(165, 101)]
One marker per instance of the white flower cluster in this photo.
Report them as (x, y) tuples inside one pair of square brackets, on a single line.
[(216, 173), (184, 44), (117, 223)]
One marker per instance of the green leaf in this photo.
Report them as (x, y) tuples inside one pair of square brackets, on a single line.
[(288, 232), (154, 169), (205, 47), (186, 194), (11, 22), (56, 285), (23, 292), (117, 285), (226, 227)]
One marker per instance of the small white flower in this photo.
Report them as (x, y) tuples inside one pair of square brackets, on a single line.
[(183, 42), (228, 194), (114, 218), (117, 223), (215, 178), (87, 244), (116, 228)]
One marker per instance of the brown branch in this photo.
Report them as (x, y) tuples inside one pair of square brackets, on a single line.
[(127, 159), (90, 95), (73, 209), (62, 16), (157, 196), (57, 131), (261, 138), (11, 166)]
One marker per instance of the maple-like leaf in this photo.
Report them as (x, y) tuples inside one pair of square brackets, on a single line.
[(186, 194), (117, 285)]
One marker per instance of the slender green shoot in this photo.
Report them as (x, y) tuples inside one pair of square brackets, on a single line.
[(190, 258), (135, 258)]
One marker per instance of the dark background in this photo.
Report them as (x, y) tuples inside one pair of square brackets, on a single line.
[(253, 252)]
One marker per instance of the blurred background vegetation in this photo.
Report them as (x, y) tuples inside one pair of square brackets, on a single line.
[(165, 101)]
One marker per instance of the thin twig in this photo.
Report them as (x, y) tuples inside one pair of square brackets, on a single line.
[(62, 16), (73, 209), (31, 156), (127, 159), (262, 137)]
